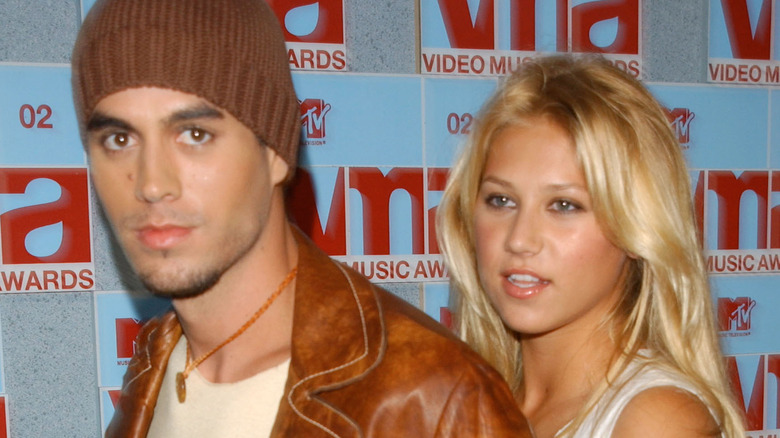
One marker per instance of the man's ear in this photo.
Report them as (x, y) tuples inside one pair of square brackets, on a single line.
[(278, 167)]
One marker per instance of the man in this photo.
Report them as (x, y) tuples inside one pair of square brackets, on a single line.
[(190, 121)]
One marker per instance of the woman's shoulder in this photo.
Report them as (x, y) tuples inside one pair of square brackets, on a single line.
[(665, 411), (659, 401), (649, 399)]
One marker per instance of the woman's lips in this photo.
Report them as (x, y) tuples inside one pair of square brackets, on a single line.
[(163, 237), (523, 285)]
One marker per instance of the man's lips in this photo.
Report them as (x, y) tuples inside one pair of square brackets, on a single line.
[(523, 284), (162, 237)]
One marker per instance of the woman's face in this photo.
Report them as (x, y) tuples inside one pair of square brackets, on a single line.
[(542, 256)]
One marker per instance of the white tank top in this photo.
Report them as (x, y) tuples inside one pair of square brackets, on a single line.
[(634, 379)]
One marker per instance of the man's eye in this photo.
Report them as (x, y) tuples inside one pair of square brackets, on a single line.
[(194, 136), (118, 141)]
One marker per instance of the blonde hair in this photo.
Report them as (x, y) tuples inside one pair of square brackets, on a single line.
[(640, 189)]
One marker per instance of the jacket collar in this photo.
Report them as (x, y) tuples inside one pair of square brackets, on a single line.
[(338, 334), (338, 337)]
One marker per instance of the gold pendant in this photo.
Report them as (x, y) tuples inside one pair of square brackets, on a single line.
[(181, 387)]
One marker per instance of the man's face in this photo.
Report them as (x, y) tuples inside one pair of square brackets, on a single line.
[(186, 186)]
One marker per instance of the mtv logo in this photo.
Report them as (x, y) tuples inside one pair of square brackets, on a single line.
[(680, 119), (604, 26), (109, 399), (3, 418), (126, 331), (741, 29), (114, 394), (44, 216), (754, 380), (371, 216), (734, 314), (313, 112), (743, 41), (736, 223), (445, 317), (310, 21)]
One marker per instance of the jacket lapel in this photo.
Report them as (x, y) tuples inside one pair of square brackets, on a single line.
[(338, 337), (143, 378)]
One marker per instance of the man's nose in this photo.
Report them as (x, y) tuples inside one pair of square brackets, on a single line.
[(158, 177)]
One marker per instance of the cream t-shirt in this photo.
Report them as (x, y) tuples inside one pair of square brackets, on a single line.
[(241, 409)]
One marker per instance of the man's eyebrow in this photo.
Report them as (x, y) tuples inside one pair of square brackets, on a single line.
[(202, 111), (99, 121)]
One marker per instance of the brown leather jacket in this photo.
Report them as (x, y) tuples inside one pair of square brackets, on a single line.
[(364, 364)]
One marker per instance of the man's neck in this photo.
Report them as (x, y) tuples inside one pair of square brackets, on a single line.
[(211, 318)]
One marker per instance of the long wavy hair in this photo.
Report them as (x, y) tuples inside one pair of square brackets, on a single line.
[(640, 189)]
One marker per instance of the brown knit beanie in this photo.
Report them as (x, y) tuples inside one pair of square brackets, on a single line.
[(229, 52)]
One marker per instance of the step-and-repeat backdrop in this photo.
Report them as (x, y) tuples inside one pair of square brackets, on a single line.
[(376, 151)]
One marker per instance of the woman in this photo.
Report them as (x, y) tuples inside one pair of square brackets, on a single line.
[(568, 227)]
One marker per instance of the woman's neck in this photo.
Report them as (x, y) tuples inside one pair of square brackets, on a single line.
[(560, 372)]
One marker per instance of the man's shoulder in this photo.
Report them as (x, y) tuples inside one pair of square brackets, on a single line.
[(423, 357), (411, 339), (410, 332), (158, 331), (414, 336), (401, 314)]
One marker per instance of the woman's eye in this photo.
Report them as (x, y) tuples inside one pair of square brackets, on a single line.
[(118, 141), (194, 136), (565, 206), (499, 201)]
